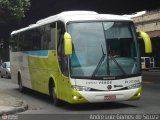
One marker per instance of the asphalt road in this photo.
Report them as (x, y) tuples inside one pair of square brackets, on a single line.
[(41, 107)]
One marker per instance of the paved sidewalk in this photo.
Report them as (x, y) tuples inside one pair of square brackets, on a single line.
[(11, 105)]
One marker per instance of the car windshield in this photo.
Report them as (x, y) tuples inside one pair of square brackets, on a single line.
[(7, 64), (103, 49)]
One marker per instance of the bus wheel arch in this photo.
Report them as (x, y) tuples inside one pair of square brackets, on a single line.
[(52, 92)]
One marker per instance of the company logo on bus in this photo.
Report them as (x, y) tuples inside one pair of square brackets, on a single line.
[(109, 87)]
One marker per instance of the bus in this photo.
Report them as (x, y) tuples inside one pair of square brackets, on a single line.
[(79, 57), (147, 63)]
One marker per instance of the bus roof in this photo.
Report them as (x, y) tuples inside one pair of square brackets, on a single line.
[(70, 16)]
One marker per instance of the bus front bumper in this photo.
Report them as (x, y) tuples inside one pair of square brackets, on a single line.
[(105, 96)]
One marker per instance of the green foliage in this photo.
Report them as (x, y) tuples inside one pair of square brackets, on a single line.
[(13, 9)]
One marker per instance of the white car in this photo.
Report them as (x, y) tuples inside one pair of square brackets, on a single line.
[(5, 70)]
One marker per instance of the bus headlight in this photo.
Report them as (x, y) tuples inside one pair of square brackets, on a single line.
[(81, 88), (134, 86)]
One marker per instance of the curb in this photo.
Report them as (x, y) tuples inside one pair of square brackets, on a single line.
[(15, 110)]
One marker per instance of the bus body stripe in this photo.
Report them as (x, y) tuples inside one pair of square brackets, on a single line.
[(39, 53)]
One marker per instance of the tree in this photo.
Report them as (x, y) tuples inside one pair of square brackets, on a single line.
[(13, 9)]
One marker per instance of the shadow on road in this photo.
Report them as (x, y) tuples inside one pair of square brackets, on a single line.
[(78, 107), (98, 106)]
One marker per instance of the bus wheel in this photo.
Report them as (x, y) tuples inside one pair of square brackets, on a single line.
[(21, 88), (53, 95)]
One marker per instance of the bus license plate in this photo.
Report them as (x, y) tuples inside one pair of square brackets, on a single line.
[(110, 97)]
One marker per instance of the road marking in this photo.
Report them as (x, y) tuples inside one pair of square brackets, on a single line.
[(147, 82)]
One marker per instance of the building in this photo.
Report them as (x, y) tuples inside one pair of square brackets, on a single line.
[(150, 23)]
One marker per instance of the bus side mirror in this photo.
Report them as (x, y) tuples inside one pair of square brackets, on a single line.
[(67, 44), (147, 41)]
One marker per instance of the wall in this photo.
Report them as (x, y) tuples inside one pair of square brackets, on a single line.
[(150, 23)]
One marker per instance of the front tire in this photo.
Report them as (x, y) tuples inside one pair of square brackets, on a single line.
[(53, 95)]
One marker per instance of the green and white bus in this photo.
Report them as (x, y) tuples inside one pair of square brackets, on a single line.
[(79, 57)]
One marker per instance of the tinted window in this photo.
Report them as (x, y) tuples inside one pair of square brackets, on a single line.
[(48, 37), (41, 38), (32, 40)]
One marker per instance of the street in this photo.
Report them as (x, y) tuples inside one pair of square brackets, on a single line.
[(41, 104)]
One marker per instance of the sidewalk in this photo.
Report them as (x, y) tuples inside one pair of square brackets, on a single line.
[(11, 105)]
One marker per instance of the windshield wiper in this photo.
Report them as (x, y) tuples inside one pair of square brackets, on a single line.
[(99, 63), (113, 58)]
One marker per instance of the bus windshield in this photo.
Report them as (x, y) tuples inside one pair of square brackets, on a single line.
[(103, 49)]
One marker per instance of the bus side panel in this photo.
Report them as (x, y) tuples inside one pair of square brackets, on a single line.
[(42, 65), (14, 66), (36, 68), (19, 64)]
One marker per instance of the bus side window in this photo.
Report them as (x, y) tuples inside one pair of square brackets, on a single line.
[(31, 40), (48, 37), (63, 61), (53, 37)]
